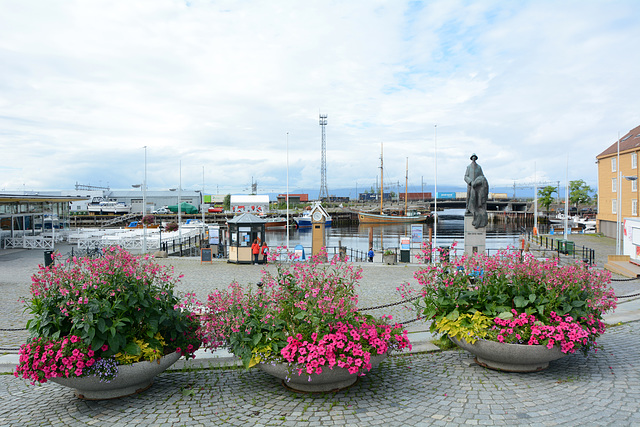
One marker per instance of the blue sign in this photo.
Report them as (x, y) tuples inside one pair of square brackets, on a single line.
[(416, 233), (446, 195), (299, 252)]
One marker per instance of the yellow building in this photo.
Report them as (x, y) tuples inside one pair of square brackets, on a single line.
[(618, 182)]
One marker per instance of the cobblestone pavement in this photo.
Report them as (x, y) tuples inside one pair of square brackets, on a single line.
[(444, 388)]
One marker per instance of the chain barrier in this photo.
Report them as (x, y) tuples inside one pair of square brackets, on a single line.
[(412, 320), (18, 329), (624, 280), (629, 296), (390, 305), (9, 349)]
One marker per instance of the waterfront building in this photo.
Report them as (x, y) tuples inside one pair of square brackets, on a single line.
[(33, 220), (618, 182)]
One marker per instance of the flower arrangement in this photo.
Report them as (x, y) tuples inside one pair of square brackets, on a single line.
[(305, 316), (514, 298), (148, 219), (172, 226), (90, 315)]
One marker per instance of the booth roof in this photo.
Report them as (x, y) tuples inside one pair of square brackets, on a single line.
[(246, 218), (248, 199)]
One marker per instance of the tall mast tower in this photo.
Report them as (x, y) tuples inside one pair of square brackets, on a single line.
[(324, 193)]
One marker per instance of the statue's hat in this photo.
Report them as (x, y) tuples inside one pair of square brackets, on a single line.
[(474, 155)]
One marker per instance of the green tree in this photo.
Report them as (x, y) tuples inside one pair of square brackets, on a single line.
[(545, 196), (227, 202), (579, 192)]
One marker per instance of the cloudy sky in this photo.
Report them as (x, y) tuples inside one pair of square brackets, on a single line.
[(220, 87)]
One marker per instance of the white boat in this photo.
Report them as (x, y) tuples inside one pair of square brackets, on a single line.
[(304, 220), (193, 224), (108, 207)]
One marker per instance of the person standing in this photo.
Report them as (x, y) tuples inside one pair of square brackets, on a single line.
[(255, 250), (264, 250), (370, 254)]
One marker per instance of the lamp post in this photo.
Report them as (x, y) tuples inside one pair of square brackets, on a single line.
[(144, 226), (619, 214), (144, 202), (287, 196)]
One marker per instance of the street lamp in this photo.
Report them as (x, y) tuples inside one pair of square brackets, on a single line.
[(619, 215), (144, 226), (179, 201)]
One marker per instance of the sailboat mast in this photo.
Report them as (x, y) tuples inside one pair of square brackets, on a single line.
[(381, 180), (406, 184)]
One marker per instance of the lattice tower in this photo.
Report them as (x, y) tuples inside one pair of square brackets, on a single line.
[(324, 192)]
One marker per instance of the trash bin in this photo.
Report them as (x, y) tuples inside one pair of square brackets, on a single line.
[(48, 258), (570, 247), (566, 247), (405, 255)]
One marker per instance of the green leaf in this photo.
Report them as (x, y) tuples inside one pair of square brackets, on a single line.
[(101, 325), (532, 298), (300, 315), (257, 338), (133, 349), (505, 315), (519, 301), (453, 315)]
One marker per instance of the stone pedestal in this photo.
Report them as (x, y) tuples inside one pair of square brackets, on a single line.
[(475, 239)]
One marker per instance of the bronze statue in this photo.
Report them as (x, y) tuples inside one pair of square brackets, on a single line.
[(477, 193)]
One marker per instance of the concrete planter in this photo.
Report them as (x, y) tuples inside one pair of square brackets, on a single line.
[(511, 357), (330, 380), (131, 379), (389, 259)]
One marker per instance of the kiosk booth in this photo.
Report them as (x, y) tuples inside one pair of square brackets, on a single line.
[(243, 229)]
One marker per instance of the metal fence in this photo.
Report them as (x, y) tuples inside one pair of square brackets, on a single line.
[(564, 247)]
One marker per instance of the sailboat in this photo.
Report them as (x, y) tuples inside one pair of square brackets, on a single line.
[(382, 218)]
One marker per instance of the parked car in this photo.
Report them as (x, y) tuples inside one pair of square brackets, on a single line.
[(162, 210), (216, 210)]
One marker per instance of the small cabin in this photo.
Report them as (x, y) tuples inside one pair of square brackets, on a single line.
[(243, 230)]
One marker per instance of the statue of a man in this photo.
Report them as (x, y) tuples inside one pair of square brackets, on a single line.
[(477, 193)]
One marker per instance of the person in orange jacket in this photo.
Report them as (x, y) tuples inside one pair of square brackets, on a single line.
[(255, 250)]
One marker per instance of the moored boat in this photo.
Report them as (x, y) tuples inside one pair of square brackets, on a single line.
[(371, 218), (108, 207), (382, 218), (276, 222), (304, 220)]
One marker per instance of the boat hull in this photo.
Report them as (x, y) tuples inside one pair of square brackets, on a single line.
[(369, 218), (276, 224), (306, 222)]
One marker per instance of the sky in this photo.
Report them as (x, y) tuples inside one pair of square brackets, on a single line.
[(224, 93)]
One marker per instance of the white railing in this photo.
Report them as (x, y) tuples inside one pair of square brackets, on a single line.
[(129, 239), (28, 242)]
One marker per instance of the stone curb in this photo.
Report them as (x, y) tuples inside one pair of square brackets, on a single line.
[(221, 358)]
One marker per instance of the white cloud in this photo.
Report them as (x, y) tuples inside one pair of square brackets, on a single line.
[(85, 85)]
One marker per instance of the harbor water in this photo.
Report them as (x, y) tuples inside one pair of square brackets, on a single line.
[(450, 229)]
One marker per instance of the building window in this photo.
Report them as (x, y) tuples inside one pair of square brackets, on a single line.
[(613, 164), (614, 206), (634, 185), (634, 160), (634, 208), (614, 185)]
